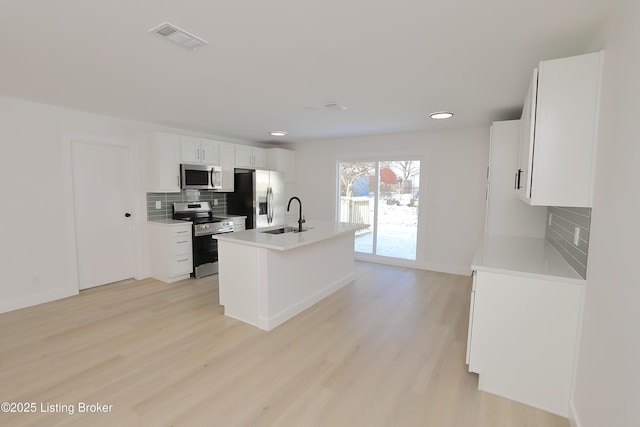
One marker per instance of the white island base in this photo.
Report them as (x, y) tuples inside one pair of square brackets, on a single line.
[(265, 280)]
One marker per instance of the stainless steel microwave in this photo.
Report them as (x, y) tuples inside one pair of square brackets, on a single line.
[(200, 177)]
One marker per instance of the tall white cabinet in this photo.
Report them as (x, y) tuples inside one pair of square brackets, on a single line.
[(559, 132), (525, 300), (506, 214)]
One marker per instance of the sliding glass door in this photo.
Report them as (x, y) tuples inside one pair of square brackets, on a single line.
[(383, 194)]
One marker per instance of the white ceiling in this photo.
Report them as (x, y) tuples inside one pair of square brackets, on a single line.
[(270, 64)]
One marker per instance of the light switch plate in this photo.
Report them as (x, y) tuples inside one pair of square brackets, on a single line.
[(158, 204), (576, 236)]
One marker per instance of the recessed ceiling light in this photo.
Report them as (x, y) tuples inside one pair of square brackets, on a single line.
[(439, 115), (278, 133)]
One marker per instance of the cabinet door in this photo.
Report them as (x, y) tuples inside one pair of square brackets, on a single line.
[(243, 156), (559, 132), (181, 246), (181, 265), (209, 152), (506, 214), (524, 338), (565, 131), (166, 168), (259, 158), (522, 178), (227, 157), (470, 329), (190, 150)]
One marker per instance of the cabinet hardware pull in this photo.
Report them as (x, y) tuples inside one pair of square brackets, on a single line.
[(518, 186), (183, 260)]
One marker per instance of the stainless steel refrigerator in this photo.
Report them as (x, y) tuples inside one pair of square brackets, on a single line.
[(258, 195)]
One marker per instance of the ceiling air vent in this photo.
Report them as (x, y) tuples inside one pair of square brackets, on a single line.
[(176, 35), (335, 107)]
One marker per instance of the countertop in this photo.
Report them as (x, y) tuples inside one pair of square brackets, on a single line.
[(524, 256), (169, 222), (229, 216), (317, 231)]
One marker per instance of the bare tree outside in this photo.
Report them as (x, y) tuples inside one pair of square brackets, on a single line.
[(407, 168), (351, 172)]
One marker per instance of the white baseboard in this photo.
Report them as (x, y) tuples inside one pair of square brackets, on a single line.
[(449, 269), (439, 268), (35, 299), (269, 323)]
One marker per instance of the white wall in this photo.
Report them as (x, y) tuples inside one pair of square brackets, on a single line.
[(452, 188), (37, 245), (607, 389)]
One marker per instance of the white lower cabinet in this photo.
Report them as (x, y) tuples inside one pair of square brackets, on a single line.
[(471, 307), (171, 251), (522, 338)]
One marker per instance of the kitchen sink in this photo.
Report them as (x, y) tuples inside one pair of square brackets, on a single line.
[(283, 230)]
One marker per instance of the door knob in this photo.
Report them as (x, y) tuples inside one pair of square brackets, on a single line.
[(127, 215)]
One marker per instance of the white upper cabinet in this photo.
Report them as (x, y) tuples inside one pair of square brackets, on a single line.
[(164, 163), (559, 132), (196, 150), (168, 151), (251, 157)]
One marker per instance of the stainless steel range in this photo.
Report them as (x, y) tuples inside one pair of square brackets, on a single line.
[(205, 227)]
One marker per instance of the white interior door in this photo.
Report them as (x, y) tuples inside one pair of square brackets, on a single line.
[(102, 200)]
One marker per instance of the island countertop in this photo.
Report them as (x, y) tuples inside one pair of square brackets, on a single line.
[(316, 231)]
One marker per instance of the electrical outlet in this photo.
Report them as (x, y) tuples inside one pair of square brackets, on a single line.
[(576, 236), (158, 204), (550, 218), (215, 202)]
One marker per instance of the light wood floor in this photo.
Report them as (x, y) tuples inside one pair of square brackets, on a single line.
[(386, 350)]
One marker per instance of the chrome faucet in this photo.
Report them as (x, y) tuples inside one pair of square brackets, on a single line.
[(300, 218)]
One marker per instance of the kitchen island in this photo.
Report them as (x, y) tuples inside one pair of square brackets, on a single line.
[(265, 279)]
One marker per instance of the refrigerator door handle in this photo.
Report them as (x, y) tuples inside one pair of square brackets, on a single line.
[(269, 218), (271, 200)]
